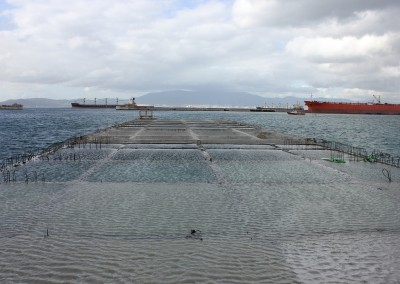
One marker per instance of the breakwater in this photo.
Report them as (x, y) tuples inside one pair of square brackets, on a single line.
[(232, 109)]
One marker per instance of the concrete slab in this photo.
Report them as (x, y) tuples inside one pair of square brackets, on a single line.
[(178, 132)]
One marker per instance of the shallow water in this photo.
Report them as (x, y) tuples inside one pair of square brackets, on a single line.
[(125, 214), (249, 234)]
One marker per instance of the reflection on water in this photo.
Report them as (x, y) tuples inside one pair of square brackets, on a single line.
[(123, 214)]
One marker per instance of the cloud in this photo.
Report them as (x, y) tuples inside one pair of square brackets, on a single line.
[(66, 49), (340, 50), (296, 13)]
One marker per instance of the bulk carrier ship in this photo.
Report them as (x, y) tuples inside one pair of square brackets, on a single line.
[(353, 108), (94, 105)]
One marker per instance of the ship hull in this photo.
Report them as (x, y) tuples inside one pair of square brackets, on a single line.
[(352, 108), (11, 107), (296, 113), (96, 106)]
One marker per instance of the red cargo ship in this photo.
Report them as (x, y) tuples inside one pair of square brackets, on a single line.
[(352, 108)]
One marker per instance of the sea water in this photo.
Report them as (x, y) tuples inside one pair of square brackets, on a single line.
[(33, 129), (124, 214)]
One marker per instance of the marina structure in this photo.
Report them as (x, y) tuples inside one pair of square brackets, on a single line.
[(132, 105)]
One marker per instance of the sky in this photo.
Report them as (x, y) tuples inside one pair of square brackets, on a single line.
[(72, 49)]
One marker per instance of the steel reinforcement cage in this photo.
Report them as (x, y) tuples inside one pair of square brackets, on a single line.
[(375, 156)]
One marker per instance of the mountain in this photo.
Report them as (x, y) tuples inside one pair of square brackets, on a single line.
[(39, 103), (181, 98), (212, 98)]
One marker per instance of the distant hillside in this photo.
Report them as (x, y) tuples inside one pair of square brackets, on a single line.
[(224, 98), (180, 98), (184, 98), (39, 103), (212, 98)]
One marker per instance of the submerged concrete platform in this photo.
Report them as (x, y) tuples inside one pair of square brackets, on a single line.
[(121, 205), (199, 151), (187, 132)]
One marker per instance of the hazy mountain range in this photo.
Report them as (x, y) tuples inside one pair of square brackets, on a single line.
[(39, 103), (212, 98), (175, 98)]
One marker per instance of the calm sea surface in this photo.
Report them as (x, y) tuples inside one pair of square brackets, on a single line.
[(32, 129)]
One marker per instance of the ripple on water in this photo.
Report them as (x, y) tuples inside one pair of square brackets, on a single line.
[(137, 232), (370, 257), (52, 170), (150, 171)]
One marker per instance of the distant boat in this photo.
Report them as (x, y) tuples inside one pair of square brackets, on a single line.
[(11, 107), (296, 112), (352, 108), (131, 105)]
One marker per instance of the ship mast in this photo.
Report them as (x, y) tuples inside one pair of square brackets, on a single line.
[(378, 99)]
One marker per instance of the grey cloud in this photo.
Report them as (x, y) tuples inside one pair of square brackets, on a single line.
[(305, 12), (139, 46)]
